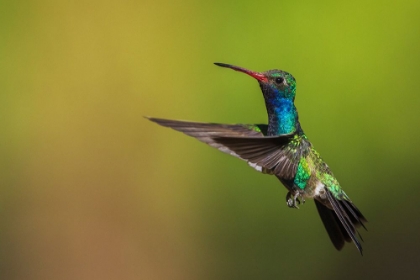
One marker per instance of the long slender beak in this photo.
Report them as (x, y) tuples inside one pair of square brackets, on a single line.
[(259, 76)]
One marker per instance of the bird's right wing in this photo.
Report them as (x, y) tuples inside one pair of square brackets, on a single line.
[(277, 155), (205, 132)]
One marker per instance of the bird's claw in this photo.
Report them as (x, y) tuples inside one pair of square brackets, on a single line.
[(293, 200)]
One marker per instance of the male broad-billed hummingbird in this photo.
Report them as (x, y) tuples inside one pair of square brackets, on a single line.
[(282, 149)]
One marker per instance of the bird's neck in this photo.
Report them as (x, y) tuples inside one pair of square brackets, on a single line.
[(282, 116)]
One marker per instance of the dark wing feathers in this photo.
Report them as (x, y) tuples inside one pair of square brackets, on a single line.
[(342, 221), (270, 152), (206, 131), (197, 129), (244, 141)]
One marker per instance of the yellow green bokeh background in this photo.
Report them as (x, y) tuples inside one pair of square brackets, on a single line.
[(89, 189)]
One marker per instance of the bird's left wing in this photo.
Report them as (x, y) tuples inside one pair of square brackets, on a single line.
[(278, 155)]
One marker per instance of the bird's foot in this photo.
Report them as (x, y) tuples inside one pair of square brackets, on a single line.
[(293, 200)]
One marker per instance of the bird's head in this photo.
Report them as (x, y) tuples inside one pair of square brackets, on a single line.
[(275, 84)]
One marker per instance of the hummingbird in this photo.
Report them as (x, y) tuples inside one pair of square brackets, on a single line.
[(282, 149)]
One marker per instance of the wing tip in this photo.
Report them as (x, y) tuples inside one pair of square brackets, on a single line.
[(150, 118)]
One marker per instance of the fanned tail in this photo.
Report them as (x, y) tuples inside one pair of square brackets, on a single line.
[(342, 221)]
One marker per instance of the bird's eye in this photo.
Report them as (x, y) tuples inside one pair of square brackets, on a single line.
[(279, 80)]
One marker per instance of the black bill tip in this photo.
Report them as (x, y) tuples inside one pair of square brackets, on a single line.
[(222, 64)]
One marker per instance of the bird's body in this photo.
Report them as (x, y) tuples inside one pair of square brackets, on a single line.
[(281, 148)]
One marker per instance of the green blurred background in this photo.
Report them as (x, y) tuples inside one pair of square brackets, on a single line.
[(89, 189)]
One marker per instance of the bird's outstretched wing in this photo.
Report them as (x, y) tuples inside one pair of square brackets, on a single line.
[(205, 132), (269, 154)]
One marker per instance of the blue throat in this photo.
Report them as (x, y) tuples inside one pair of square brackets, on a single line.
[(282, 116)]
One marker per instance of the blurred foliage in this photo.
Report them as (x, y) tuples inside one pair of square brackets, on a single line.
[(89, 189)]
